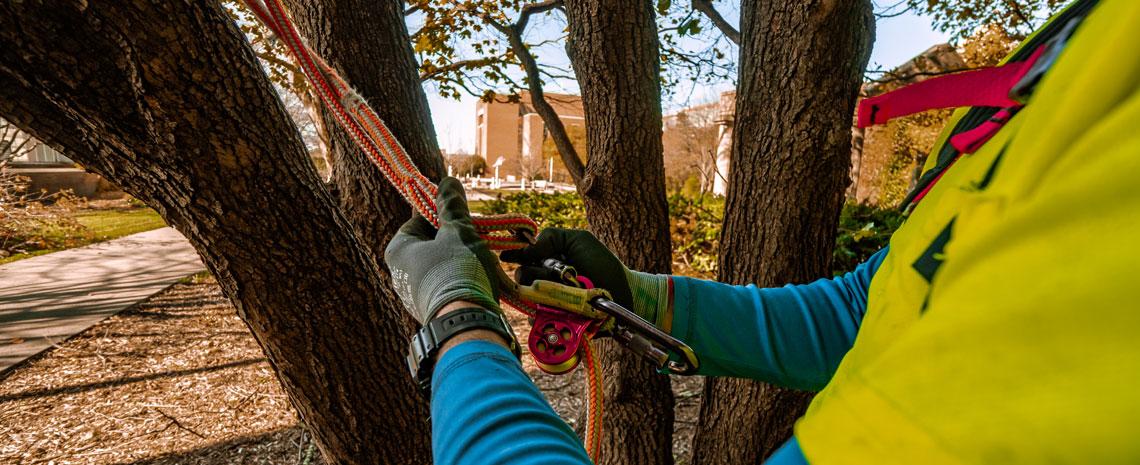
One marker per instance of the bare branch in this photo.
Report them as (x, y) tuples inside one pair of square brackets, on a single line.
[(891, 76), (549, 116), (534, 8), (557, 75), (706, 7), (892, 11)]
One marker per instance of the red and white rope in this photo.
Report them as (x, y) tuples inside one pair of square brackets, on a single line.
[(368, 131)]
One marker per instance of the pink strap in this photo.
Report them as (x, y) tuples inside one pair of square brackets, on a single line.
[(972, 140), (986, 87)]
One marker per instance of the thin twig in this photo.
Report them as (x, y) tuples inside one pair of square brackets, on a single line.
[(179, 424)]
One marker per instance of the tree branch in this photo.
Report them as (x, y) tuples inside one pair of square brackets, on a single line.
[(545, 111), (534, 8), (459, 66), (892, 76), (892, 11), (706, 7)]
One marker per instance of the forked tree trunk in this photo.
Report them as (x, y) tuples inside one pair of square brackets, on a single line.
[(616, 59), (367, 42), (801, 64), (164, 98)]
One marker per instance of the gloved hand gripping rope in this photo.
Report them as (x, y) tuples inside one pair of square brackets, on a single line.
[(567, 311)]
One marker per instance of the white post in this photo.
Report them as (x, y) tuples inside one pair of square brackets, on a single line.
[(550, 178), (449, 171)]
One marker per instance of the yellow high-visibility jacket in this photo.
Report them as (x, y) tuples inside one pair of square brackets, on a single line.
[(1004, 325)]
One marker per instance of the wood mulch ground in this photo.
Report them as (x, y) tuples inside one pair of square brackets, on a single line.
[(178, 379)]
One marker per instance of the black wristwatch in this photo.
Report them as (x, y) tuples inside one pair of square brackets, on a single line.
[(427, 341)]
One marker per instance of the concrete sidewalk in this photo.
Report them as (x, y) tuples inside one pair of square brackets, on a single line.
[(46, 299)]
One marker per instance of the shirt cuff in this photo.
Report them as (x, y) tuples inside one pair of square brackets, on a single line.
[(682, 311)]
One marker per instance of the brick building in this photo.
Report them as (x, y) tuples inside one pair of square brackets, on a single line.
[(515, 132)]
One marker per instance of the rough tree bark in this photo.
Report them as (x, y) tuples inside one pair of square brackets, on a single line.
[(165, 99), (367, 42), (801, 65), (615, 55)]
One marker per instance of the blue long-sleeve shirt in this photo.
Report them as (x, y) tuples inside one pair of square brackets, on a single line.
[(485, 409)]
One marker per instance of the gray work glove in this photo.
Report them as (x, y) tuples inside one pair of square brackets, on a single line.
[(431, 268)]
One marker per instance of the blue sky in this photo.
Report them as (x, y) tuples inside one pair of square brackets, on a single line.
[(897, 40)]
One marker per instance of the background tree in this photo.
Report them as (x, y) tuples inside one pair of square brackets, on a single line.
[(964, 18), (801, 65), (624, 193), (302, 104), (698, 46), (14, 143), (184, 119), (498, 43), (690, 142), (983, 30), (466, 165)]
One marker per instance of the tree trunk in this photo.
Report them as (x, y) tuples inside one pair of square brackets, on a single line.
[(801, 64), (367, 42), (165, 99), (616, 59)]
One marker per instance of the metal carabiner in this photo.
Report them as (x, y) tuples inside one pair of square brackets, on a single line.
[(634, 332)]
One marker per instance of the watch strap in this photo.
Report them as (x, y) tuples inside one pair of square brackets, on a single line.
[(425, 344)]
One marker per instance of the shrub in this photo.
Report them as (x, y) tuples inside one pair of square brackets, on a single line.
[(32, 221), (562, 210), (694, 225), (863, 230)]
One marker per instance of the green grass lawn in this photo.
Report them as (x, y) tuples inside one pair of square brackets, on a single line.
[(100, 225), (111, 224)]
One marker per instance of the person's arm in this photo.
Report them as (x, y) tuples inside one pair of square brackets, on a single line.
[(792, 336), (485, 409)]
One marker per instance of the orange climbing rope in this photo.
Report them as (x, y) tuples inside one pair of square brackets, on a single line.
[(368, 131), (594, 404), (502, 232)]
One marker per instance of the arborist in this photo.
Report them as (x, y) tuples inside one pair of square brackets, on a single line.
[(999, 326)]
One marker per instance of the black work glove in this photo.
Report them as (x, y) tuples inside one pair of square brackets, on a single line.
[(644, 293), (431, 268)]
